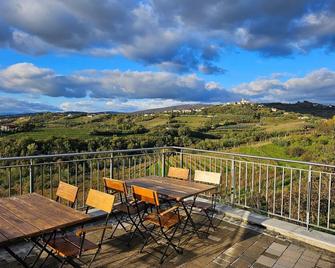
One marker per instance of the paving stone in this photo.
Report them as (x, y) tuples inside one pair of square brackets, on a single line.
[(253, 252), (285, 263), (266, 261), (241, 263), (227, 258), (301, 263), (221, 263), (278, 265), (214, 238), (237, 247), (311, 254), (328, 257), (233, 252), (278, 247), (325, 264)]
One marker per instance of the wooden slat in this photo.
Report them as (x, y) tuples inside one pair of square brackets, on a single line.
[(8, 232), (68, 214), (25, 227), (115, 185), (179, 173), (145, 195), (27, 213), (100, 200), (67, 191), (207, 177)]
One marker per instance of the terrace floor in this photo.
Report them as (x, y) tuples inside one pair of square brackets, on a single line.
[(233, 244)]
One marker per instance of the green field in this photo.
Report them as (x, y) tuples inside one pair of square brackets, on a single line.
[(249, 129)]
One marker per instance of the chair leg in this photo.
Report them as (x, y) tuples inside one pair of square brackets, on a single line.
[(95, 255), (210, 221), (148, 237), (170, 243), (135, 223), (111, 236), (45, 259), (62, 264)]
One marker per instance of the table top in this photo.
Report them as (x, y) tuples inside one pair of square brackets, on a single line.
[(32, 215), (174, 188)]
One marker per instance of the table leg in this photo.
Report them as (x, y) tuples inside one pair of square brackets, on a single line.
[(189, 217)]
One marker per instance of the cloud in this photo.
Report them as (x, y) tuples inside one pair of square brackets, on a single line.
[(318, 86), (173, 35), (119, 105), (30, 79), (15, 106)]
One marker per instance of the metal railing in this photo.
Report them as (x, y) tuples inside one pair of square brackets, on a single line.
[(301, 192)]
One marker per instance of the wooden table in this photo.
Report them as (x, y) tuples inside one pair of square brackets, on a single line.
[(32, 215), (176, 189)]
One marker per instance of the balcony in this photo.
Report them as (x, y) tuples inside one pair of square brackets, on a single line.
[(297, 194)]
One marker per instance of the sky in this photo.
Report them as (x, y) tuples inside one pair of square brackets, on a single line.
[(111, 55)]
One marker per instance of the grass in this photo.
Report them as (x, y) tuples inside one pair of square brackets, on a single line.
[(285, 126), (192, 121), (45, 133), (267, 149), (155, 122)]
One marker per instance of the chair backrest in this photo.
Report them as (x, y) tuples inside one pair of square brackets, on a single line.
[(179, 173), (115, 185), (67, 192), (100, 200), (207, 177), (145, 195)]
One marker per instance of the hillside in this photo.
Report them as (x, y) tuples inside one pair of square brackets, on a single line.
[(252, 128)]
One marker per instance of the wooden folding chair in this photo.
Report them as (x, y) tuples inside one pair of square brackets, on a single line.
[(167, 221), (72, 245), (179, 173), (208, 208), (175, 173), (65, 192), (127, 208)]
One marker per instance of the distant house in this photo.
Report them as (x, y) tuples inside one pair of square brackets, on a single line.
[(8, 128), (303, 117)]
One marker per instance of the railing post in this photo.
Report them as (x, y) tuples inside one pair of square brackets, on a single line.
[(181, 159), (232, 193), (111, 166), (309, 192), (163, 163), (31, 176)]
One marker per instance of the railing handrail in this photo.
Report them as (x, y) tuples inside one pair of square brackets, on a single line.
[(169, 147), (256, 157)]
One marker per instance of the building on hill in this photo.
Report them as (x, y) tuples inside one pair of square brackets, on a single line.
[(8, 128)]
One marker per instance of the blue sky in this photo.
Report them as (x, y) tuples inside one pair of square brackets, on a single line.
[(130, 55)]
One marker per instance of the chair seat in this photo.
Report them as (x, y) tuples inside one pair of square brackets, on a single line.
[(199, 204), (122, 207), (69, 245), (168, 220)]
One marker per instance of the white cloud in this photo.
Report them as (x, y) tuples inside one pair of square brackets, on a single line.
[(119, 105), (318, 85), (30, 79)]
